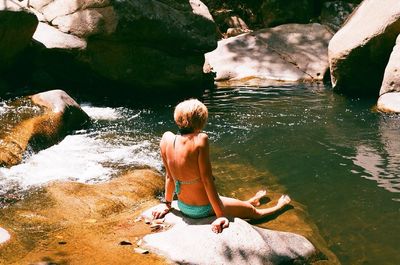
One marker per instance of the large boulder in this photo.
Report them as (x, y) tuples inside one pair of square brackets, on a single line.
[(140, 46), (47, 118), (391, 78), (241, 243), (16, 29), (77, 223), (291, 52), (389, 100), (359, 51)]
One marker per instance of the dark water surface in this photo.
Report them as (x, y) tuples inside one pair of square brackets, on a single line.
[(333, 154)]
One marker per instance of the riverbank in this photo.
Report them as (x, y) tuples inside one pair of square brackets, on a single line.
[(75, 223)]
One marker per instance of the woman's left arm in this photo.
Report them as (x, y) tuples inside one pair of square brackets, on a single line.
[(207, 177), (169, 183)]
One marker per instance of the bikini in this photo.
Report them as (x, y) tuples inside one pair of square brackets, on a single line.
[(193, 211)]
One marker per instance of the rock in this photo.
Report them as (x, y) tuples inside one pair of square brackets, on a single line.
[(148, 47), (335, 13), (51, 38), (58, 8), (359, 51), (65, 207), (141, 250), (389, 102), (236, 22), (291, 52), (56, 114), (241, 243), (16, 30), (282, 12), (87, 22), (237, 26), (4, 235), (199, 8), (248, 11), (391, 78)]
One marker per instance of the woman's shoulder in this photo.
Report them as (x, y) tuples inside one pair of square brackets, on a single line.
[(168, 134), (166, 137), (202, 139)]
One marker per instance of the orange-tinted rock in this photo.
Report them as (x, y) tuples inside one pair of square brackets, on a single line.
[(59, 114), (86, 223)]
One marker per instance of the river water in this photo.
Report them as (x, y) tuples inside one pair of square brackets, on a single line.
[(335, 155)]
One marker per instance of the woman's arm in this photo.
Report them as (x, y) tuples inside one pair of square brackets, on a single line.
[(207, 177), (169, 182)]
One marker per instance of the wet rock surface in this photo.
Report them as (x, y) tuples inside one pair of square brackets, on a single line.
[(49, 117), (75, 223)]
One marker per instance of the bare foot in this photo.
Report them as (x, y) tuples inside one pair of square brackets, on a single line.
[(255, 200), (284, 200)]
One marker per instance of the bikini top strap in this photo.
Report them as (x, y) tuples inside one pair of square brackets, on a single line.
[(175, 140)]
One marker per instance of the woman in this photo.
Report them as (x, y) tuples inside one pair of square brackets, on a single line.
[(188, 173)]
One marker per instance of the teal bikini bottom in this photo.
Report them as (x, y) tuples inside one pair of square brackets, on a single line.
[(195, 211)]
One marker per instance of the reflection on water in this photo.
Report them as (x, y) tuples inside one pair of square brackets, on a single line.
[(332, 154), (381, 170)]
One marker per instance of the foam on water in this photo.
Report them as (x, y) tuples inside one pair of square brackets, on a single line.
[(101, 113), (78, 158)]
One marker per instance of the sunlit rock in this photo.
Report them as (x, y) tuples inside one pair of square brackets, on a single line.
[(359, 51), (241, 243), (291, 52), (84, 23), (391, 78), (51, 38), (389, 102), (85, 222), (147, 47), (49, 118)]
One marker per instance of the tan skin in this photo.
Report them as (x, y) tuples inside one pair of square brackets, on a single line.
[(190, 160)]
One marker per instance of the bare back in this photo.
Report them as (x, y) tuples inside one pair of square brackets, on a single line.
[(181, 159)]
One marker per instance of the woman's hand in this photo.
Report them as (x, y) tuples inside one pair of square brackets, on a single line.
[(219, 224), (160, 211)]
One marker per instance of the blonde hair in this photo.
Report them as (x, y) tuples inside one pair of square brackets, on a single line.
[(190, 115)]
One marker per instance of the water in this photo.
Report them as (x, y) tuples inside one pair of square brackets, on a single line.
[(333, 154)]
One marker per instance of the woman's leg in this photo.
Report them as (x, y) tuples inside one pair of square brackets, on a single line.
[(245, 209), (255, 200)]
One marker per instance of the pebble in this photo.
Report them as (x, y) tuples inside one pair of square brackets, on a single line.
[(141, 251), (125, 242)]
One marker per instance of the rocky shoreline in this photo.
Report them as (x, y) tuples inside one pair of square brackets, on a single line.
[(84, 223), (98, 224), (160, 50)]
